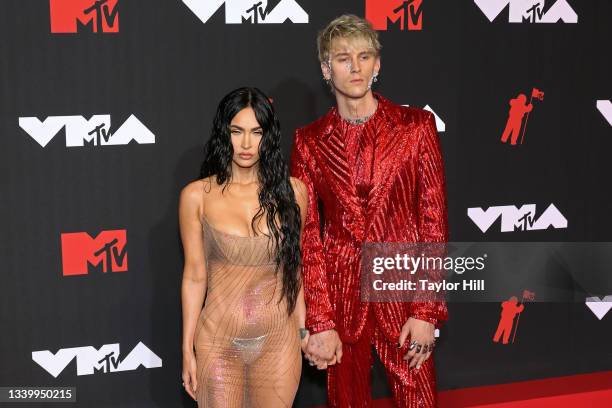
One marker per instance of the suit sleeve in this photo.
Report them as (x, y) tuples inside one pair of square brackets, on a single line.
[(432, 217), (319, 312)]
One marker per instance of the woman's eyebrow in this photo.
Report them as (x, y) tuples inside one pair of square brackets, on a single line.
[(241, 128)]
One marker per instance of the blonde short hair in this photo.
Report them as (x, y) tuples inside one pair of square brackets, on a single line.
[(346, 26)]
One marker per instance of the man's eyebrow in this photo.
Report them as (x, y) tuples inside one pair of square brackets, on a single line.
[(348, 53)]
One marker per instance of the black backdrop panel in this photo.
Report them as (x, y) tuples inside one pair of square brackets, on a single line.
[(153, 71)]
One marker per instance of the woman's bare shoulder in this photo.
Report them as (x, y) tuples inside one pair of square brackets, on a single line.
[(298, 185), (197, 190), (300, 190)]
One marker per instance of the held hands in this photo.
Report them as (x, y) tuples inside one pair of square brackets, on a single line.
[(422, 341), (322, 349), (190, 382)]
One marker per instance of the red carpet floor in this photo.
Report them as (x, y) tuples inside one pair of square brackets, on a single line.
[(577, 391)]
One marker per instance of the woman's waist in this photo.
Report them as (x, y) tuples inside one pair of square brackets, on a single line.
[(230, 322)]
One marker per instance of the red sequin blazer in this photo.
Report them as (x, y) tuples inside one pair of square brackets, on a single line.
[(407, 203)]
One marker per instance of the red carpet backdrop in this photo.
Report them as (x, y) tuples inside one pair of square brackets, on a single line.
[(104, 109)]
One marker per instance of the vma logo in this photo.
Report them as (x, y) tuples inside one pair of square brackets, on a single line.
[(70, 16), (95, 131), (599, 307), (605, 107), (530, 11), (91, 361), (107, 251), (517, 219), (406, 15), (250, 11)]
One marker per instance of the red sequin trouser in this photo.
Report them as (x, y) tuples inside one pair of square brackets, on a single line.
[(348, 383)]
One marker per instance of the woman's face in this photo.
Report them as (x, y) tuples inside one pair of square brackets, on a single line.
[(246, 134)]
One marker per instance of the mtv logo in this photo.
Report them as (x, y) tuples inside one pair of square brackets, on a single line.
[(605, 107), (101, 16), (79, 130), (90, 361), (513, 218), (252, 11), (599, 307), (440, 125), (402, 14), (529, 10), (108, 248)]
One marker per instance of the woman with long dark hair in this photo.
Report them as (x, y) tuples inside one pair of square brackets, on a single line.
[(243, 304)]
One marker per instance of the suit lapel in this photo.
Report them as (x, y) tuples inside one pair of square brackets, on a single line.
[(337, 172), (390, 142)]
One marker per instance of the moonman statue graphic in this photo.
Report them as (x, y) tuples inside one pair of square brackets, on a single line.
[(518, 109), (509, 310)]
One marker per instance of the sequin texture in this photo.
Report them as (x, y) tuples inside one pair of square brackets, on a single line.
[(381, 181)]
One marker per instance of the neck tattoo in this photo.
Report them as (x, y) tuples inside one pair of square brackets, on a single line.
[(358, 121), (363, 119)]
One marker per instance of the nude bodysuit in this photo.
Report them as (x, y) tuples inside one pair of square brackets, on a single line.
[(247, 347)]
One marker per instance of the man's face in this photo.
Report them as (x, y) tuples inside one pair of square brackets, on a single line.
[(351, 66)]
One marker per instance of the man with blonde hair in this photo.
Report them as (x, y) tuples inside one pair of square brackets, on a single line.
[(378, 171)]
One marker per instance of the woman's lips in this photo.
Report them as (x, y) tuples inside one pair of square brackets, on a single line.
[(245, 156)]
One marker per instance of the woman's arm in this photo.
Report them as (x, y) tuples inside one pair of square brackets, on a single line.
[(319, 315), (300, 308), (193, 286), (301, 196)]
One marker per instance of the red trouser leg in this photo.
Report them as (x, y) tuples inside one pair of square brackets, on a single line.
[(348, 383), (411, 387)]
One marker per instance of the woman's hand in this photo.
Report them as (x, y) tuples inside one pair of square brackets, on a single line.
[(190, 382)]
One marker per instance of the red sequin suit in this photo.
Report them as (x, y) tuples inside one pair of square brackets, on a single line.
[(380, 181)]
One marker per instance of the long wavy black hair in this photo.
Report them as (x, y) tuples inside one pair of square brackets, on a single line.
[(276, 196)]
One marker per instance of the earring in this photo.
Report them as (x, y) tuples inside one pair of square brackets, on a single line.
[(376, 77)]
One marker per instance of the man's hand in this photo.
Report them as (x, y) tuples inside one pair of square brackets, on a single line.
[(324, 348), (422, 341)]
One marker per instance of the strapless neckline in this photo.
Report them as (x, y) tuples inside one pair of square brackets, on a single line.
[(206, 222)]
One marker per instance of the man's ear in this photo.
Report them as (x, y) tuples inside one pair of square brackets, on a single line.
[(325, 69), (377, 65)]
